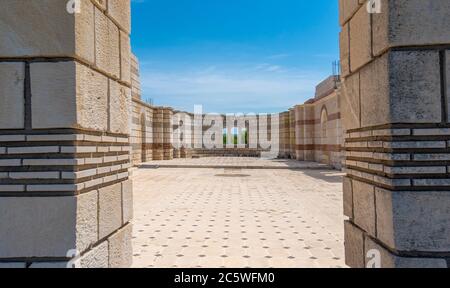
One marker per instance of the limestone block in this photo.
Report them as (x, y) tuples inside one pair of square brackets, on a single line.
[(401, 87), (119, 107), (120, 249), (414, 221), (127, 201), (12, 112), (348, 197), (68, 95), (120, 11), (125, 57), (37, 226), (347, 8), (354, 245), (364, 206), (360, 39), (110, 209), (389, 260), (87, 220), (107, 47), (60, 33), (447, 65), (97, 257), (351, 106), (412, 23)]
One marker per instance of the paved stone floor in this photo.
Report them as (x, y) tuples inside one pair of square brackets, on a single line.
[(222, 217)]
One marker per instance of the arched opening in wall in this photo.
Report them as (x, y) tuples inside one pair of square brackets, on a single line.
[(324, 145), (143, 137)]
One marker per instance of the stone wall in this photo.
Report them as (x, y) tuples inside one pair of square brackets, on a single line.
[(64, 144), (395, 92), (313, 131)]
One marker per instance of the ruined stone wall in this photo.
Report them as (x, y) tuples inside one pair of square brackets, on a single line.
[(64, 134), (395, 67), (313, 131)]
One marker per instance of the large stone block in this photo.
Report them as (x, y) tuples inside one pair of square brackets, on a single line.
[(348, 197), (350, 102), (354, 245), (119, 107), (68, 95), (401, 87), (414, 221), (360, 39), (110, 209), (389, 260), (364, 206), (120, 249), (411, 23), (87, 220), (344, 45), (12, 111), (127, 201), (125, 57), (97, 257), (38, 226), (347, 8), (120, 11), (107, 47), (60, 33)]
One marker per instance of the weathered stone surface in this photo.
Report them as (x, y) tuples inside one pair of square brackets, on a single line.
[(389, 260), (92, 99), (127, 201), (414, 221), (53, 90), (110, 209), (350, 102), (364, 206), (68, 95), (125, 57), (415, 87), (101, 4), (87, 220), (107, 44), (360, 39), (120, 250), (344, 44), (60, 33), (346, 9), (412, 23), (401, 87), (37, 227), (97, 257), (354, 245), (119, 107), (348, 197), (12, 77), (447, 65), (119, 10)]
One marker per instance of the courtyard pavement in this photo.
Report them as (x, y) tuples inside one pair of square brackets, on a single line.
[(231, 217)]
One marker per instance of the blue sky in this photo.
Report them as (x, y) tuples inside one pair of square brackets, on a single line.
[(234, 55)]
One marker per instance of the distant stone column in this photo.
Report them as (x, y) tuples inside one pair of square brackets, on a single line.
[(292, 152), (168, 133), (299, 132), (396, 67), (158, 133), (65, 192)]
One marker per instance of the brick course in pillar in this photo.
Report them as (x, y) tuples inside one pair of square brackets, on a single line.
[(397, 140), (64, 180)]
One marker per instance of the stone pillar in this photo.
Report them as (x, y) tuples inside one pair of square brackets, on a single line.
[(309, 135), (299, 132), (292, 150), (396, 67), (65, 192), (158, 133), (168, 133)]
